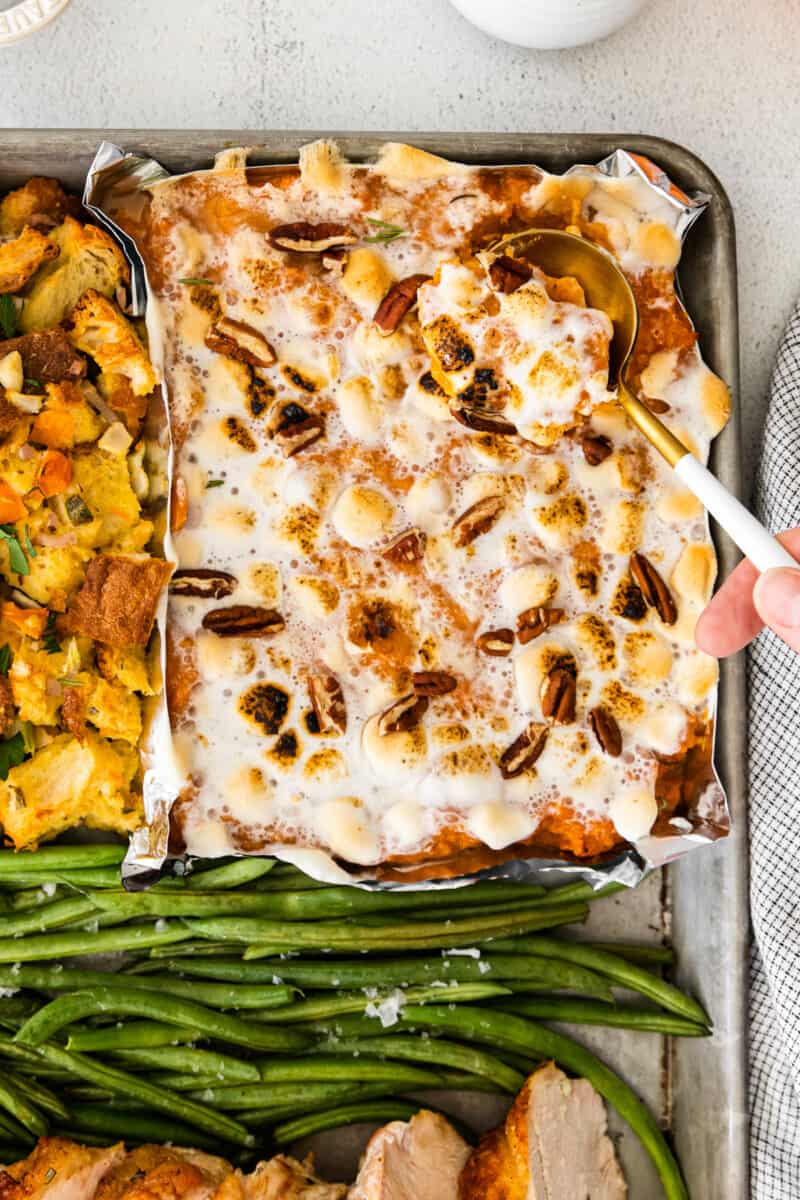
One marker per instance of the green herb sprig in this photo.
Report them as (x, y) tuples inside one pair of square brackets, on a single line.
[(5, 659), (49, 639), (385, 231), (12, 753), (19, 563), (8, 316), (191, 281)]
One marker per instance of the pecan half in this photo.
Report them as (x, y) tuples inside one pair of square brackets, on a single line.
[(243, 620), (506, 274), (659, 407), (407, 547), (327, 700), (496, 642), (524, 750), (304, 237), (406, 713), (477, 519), (482, 420), (7, 713), (534, 621), (653, 588), (202, 581), (596, 448), (399, 300), (299, 435), (606, 730), (433, 683), (236, 339), (559, 691)]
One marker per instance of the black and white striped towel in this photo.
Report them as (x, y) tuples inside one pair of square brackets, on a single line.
[(774, 678)]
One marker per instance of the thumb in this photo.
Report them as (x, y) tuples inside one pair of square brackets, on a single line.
[(777, 599)]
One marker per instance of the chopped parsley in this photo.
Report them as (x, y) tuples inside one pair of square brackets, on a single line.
[(49, 639), (12, 753), (190, 281), (70, 681), (5, 659), (31, 383), (29, 544), (384, 231), (8, 316), (210, 483), (19, 563)]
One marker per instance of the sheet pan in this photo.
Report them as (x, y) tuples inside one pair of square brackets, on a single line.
[(697, 1087)]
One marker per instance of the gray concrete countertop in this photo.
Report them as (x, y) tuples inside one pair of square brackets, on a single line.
[(720, 76)]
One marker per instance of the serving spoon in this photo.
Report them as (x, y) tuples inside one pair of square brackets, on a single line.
[(559, 253)]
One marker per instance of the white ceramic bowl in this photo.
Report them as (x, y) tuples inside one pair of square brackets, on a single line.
[(26, 17), (549, 24)]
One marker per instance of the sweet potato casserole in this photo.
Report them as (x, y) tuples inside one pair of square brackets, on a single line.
[(435, 598), (79, 585)]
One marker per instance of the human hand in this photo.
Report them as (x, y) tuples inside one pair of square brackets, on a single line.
[(747, 602)]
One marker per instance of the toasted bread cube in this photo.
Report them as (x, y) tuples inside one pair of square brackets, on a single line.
[(47, 356), (89, 259), (21, 258), (55, 574), (68, 783), (118, 601), (65, 420), (100, 330), (114, 711), (31, 677), (127, 667), (104, 483), (40, 202)]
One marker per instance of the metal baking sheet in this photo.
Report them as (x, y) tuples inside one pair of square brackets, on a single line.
[(697, 1087)]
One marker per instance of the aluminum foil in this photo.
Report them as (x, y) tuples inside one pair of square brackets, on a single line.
[(119, 181)]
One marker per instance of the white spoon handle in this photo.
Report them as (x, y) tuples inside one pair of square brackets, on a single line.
[(763, 550)]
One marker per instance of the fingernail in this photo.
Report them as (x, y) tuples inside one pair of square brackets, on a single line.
[(777, 597)]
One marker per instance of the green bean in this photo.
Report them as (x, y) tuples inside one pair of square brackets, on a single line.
[(580, 890), (654, 955), (330, 1005), (32, 898), (517, 1034), (49, 946), (37, 1094), (436, 1051), (75, 1006), (16, 1009), (13, 1129), (127, 1085), (320, 1067), (231, 875), (587, 1012), (48, 916), (305, 1103), (194, 949), (274, 1095), (135, 1126), (182, 1059), (132, 1035), (58, 858), (216, 995), (21, 1054), (181, 1083), (403, 972), (341, 935), (460, 1082), (372, 1112), (624, 973), (14, 1103)]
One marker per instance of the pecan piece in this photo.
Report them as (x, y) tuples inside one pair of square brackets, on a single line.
[(524, 750), (243, 620), (407, 547), (559, 692), (477, 519), (506, 274), (236, 339), (304, 237), (606, 730), (202, 581), (596, 448), (399, 300), (7, 713), (535, 621), (327, 700), (482, 420), (653, 588), (659, 407), (496, 642), (406, 713), (299, 435), (433, 683)]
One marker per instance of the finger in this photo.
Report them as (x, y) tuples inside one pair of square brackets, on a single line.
[(731, 620), (777, 600)]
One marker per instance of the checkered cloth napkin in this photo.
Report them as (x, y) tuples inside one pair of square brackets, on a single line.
[(774, 678)]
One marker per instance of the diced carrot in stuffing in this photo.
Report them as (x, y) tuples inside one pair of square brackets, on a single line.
[(54, 428), (55, 473), (11, 507), (30, 621)]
